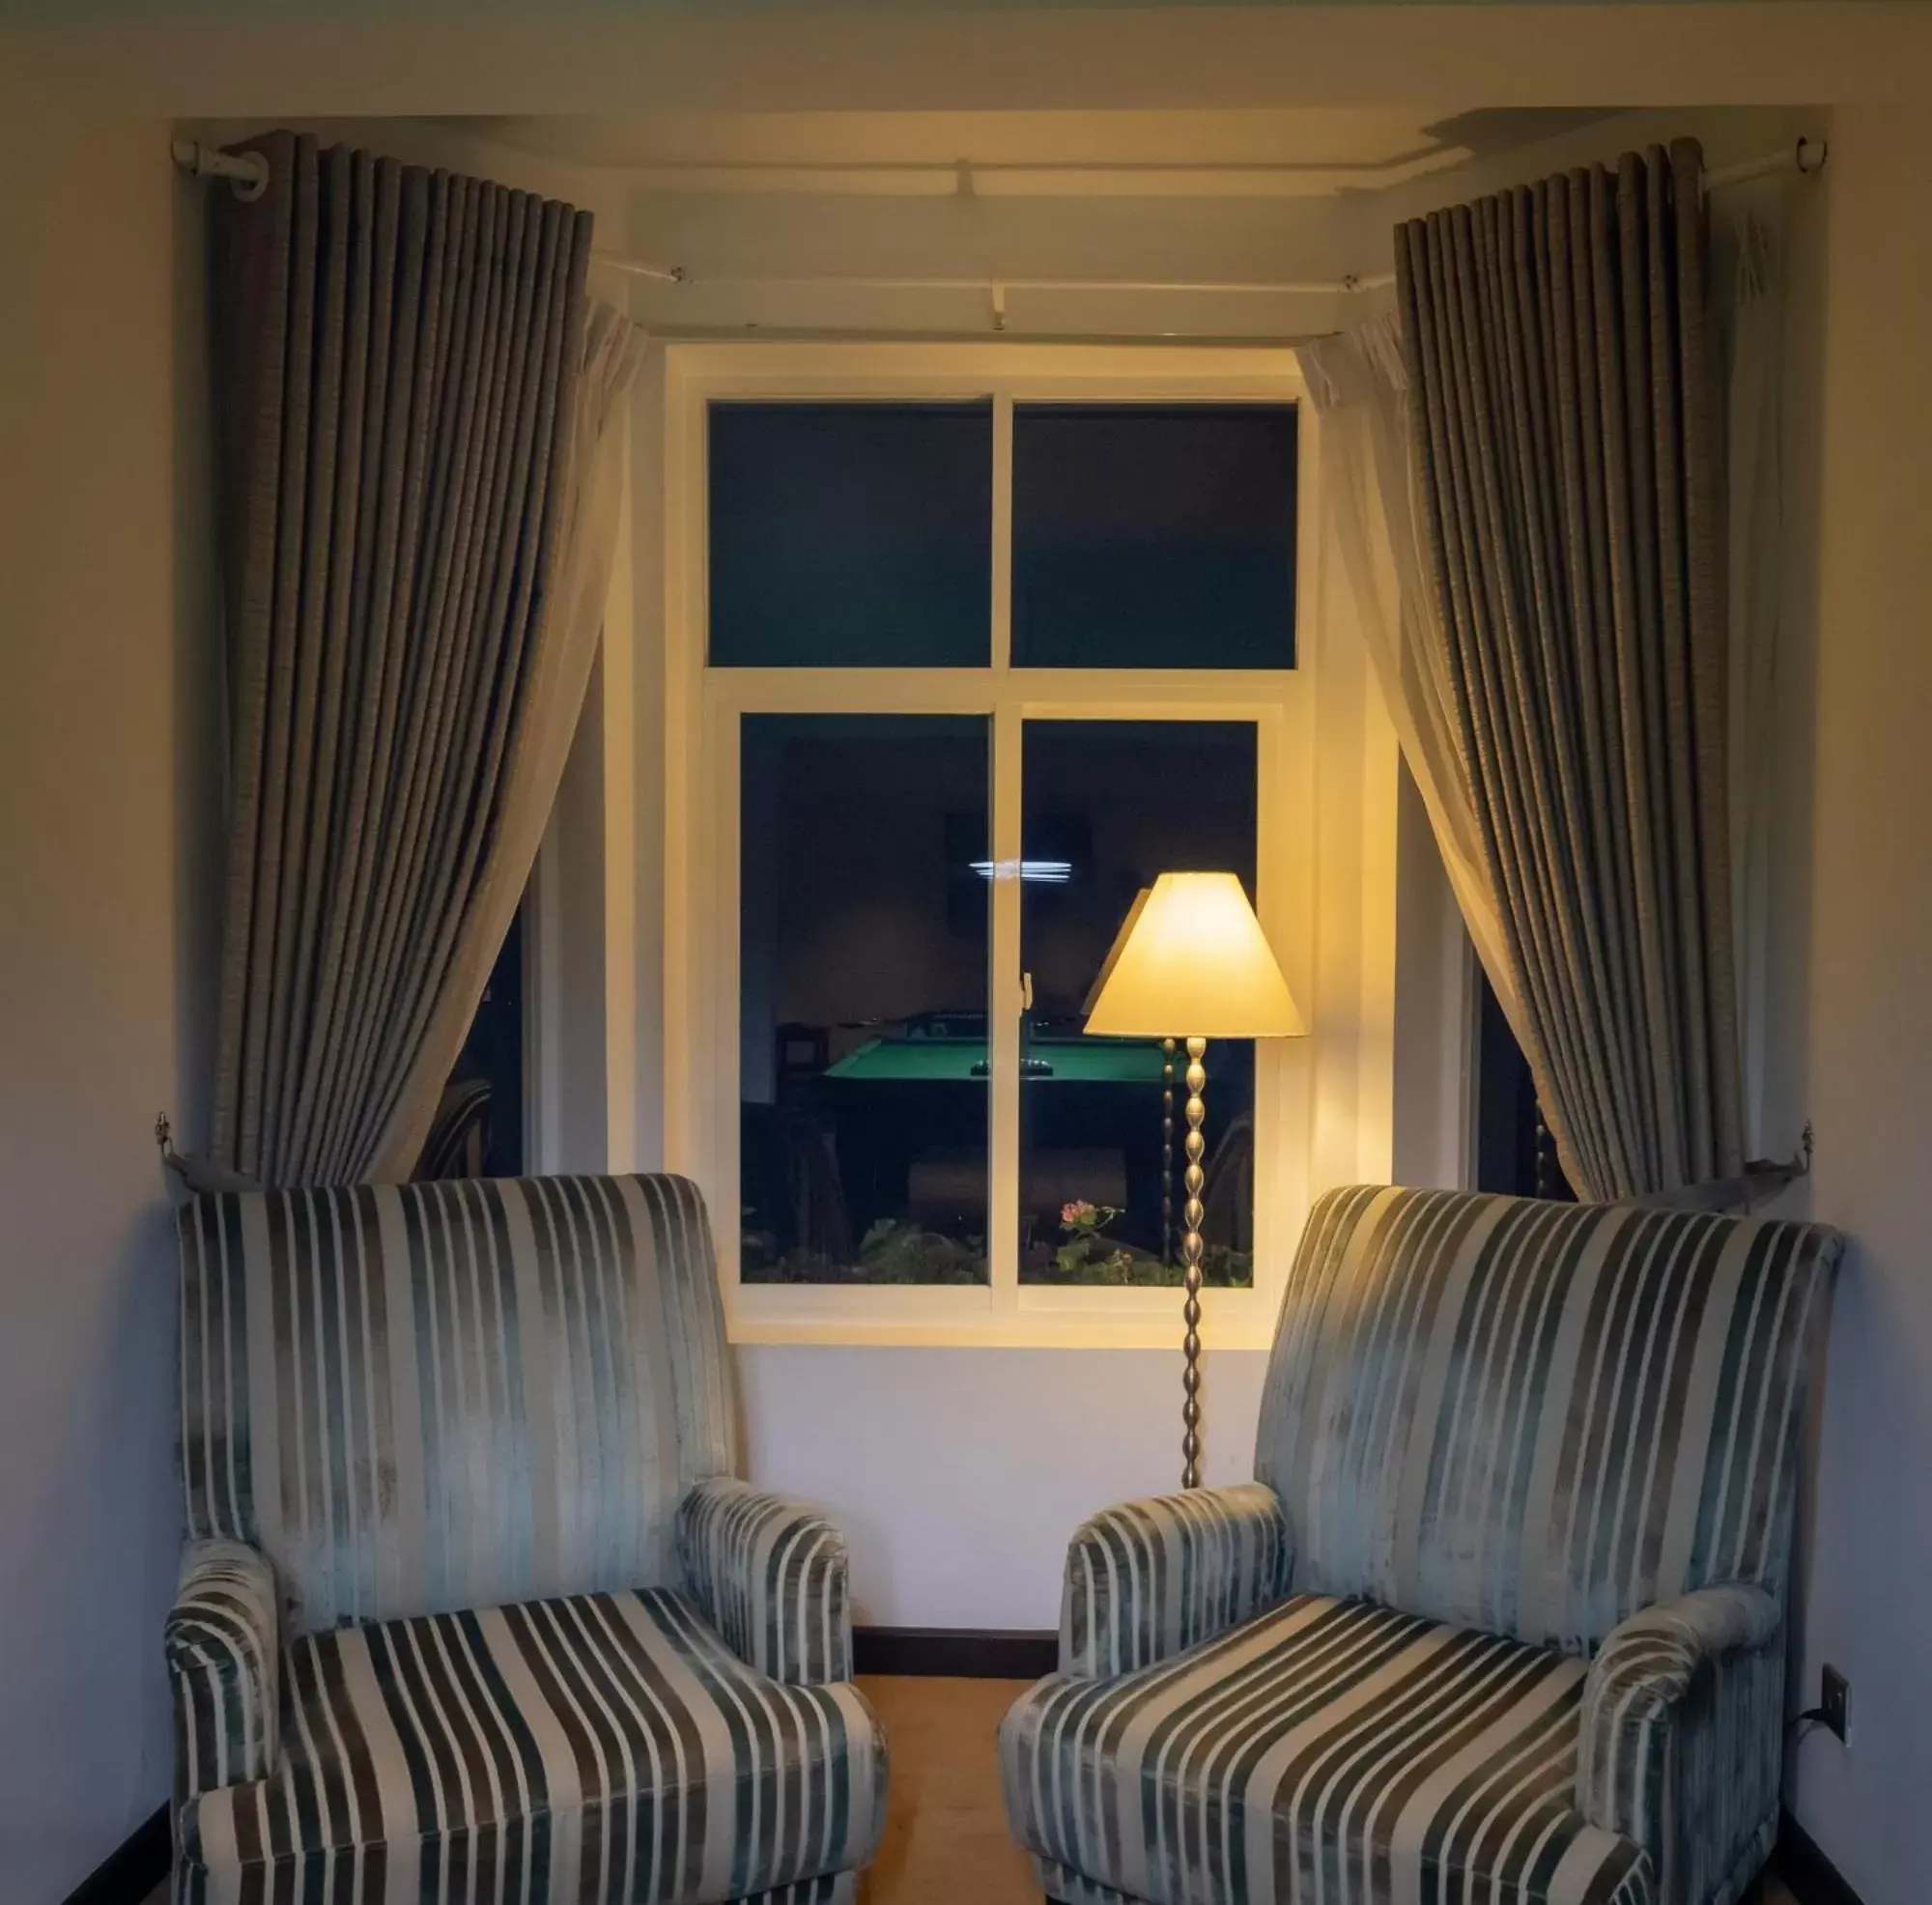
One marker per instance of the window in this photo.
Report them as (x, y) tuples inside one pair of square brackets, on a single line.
[(862, 974), (850, 535), (967, 647), (1154, 535), (1102, 814)]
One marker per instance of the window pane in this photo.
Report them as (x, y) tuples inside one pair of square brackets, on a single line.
[(851, 535), (863, 987), (1107, 807), (1154, 536)]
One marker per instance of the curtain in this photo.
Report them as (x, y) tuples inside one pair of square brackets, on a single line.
[(1566, 492), (406, 387), (560, 673)]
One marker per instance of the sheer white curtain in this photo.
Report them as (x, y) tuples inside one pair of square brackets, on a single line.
[(1360, 393)]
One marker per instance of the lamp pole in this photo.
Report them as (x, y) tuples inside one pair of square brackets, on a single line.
[(1167, 1151), (1190, 1257)]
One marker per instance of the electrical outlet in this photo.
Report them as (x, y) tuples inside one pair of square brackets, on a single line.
[(1834, 1703)]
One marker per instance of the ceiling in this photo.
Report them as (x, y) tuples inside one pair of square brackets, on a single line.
[(1057, 222), (1286, 153)]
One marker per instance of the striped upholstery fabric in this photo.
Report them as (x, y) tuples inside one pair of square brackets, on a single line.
[(1500, 1437), (770, 1578), (1149, 1579), (1538, 1418), (1683, 1735), (225, 1666), (457, 1462), (1329, 1750), (417, 1398), (602, 1747)]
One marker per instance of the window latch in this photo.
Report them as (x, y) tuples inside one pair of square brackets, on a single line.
[(1025, 992)]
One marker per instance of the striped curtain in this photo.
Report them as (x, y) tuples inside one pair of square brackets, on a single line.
[(403, 453), (1568, 487)]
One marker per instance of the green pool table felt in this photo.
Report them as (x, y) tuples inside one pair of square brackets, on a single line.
[(1072, 1061)]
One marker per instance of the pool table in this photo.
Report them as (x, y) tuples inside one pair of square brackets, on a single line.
[(931, 1059)]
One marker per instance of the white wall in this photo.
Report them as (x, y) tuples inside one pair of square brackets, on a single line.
[(95, 878), (958, 1474), (1869, 1045)]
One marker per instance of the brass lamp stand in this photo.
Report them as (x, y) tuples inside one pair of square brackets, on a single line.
[(1167, 1151), (1190, 1258), (1191, 953)]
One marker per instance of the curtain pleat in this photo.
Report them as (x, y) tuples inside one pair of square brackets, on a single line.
[(536, 749), (1564, 443), (397, 361)]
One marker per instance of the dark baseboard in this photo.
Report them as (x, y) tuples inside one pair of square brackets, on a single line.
[(1810, 1877), (960, 1652), (132, 1869)]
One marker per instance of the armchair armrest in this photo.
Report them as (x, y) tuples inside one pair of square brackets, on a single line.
[(772, 1577), (1149, 1579), (1681, 1734), (224, 1649)]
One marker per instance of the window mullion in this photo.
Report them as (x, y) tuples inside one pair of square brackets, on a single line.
[(1003, 1215), (1002, 1252), (1003, 531)]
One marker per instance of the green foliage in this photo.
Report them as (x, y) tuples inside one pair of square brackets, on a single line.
[(892, 1252), (902, 1253)]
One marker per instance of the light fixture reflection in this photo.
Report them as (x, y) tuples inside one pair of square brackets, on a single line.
[(1042, 872)]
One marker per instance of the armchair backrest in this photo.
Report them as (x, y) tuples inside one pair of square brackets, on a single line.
[(1537, 1418), (420, 1398)]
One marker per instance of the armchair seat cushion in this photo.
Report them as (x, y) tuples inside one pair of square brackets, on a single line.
[(602, 1747), (1328, 1749)]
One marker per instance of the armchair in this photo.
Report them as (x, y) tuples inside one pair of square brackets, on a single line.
[(473, 1606), (1501, 1615)]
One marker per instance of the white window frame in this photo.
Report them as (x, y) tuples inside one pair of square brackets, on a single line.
[(703, 708)]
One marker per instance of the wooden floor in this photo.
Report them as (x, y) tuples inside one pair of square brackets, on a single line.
[(946, 1837)]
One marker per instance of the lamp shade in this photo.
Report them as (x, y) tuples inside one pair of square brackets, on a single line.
[(1191, 961)]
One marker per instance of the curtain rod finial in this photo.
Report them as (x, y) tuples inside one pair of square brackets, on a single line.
[(246, 173)]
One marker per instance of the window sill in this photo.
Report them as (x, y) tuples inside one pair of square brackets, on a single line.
[(1030, 1317)]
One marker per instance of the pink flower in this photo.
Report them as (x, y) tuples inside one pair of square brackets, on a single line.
[(1079, 1212)]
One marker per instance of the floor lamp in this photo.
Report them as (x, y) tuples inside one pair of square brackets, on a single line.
[(1192, 954)]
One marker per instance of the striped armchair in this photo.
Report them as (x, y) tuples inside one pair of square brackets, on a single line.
[(473, 1607), (1500, 1619)]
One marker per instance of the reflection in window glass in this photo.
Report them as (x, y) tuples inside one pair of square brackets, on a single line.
[(1154, 536), (851, 535), (864, 897), (1108, 805)]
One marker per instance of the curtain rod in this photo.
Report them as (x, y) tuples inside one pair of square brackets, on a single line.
[(995, 289), (1806, 157), (247, 175)]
